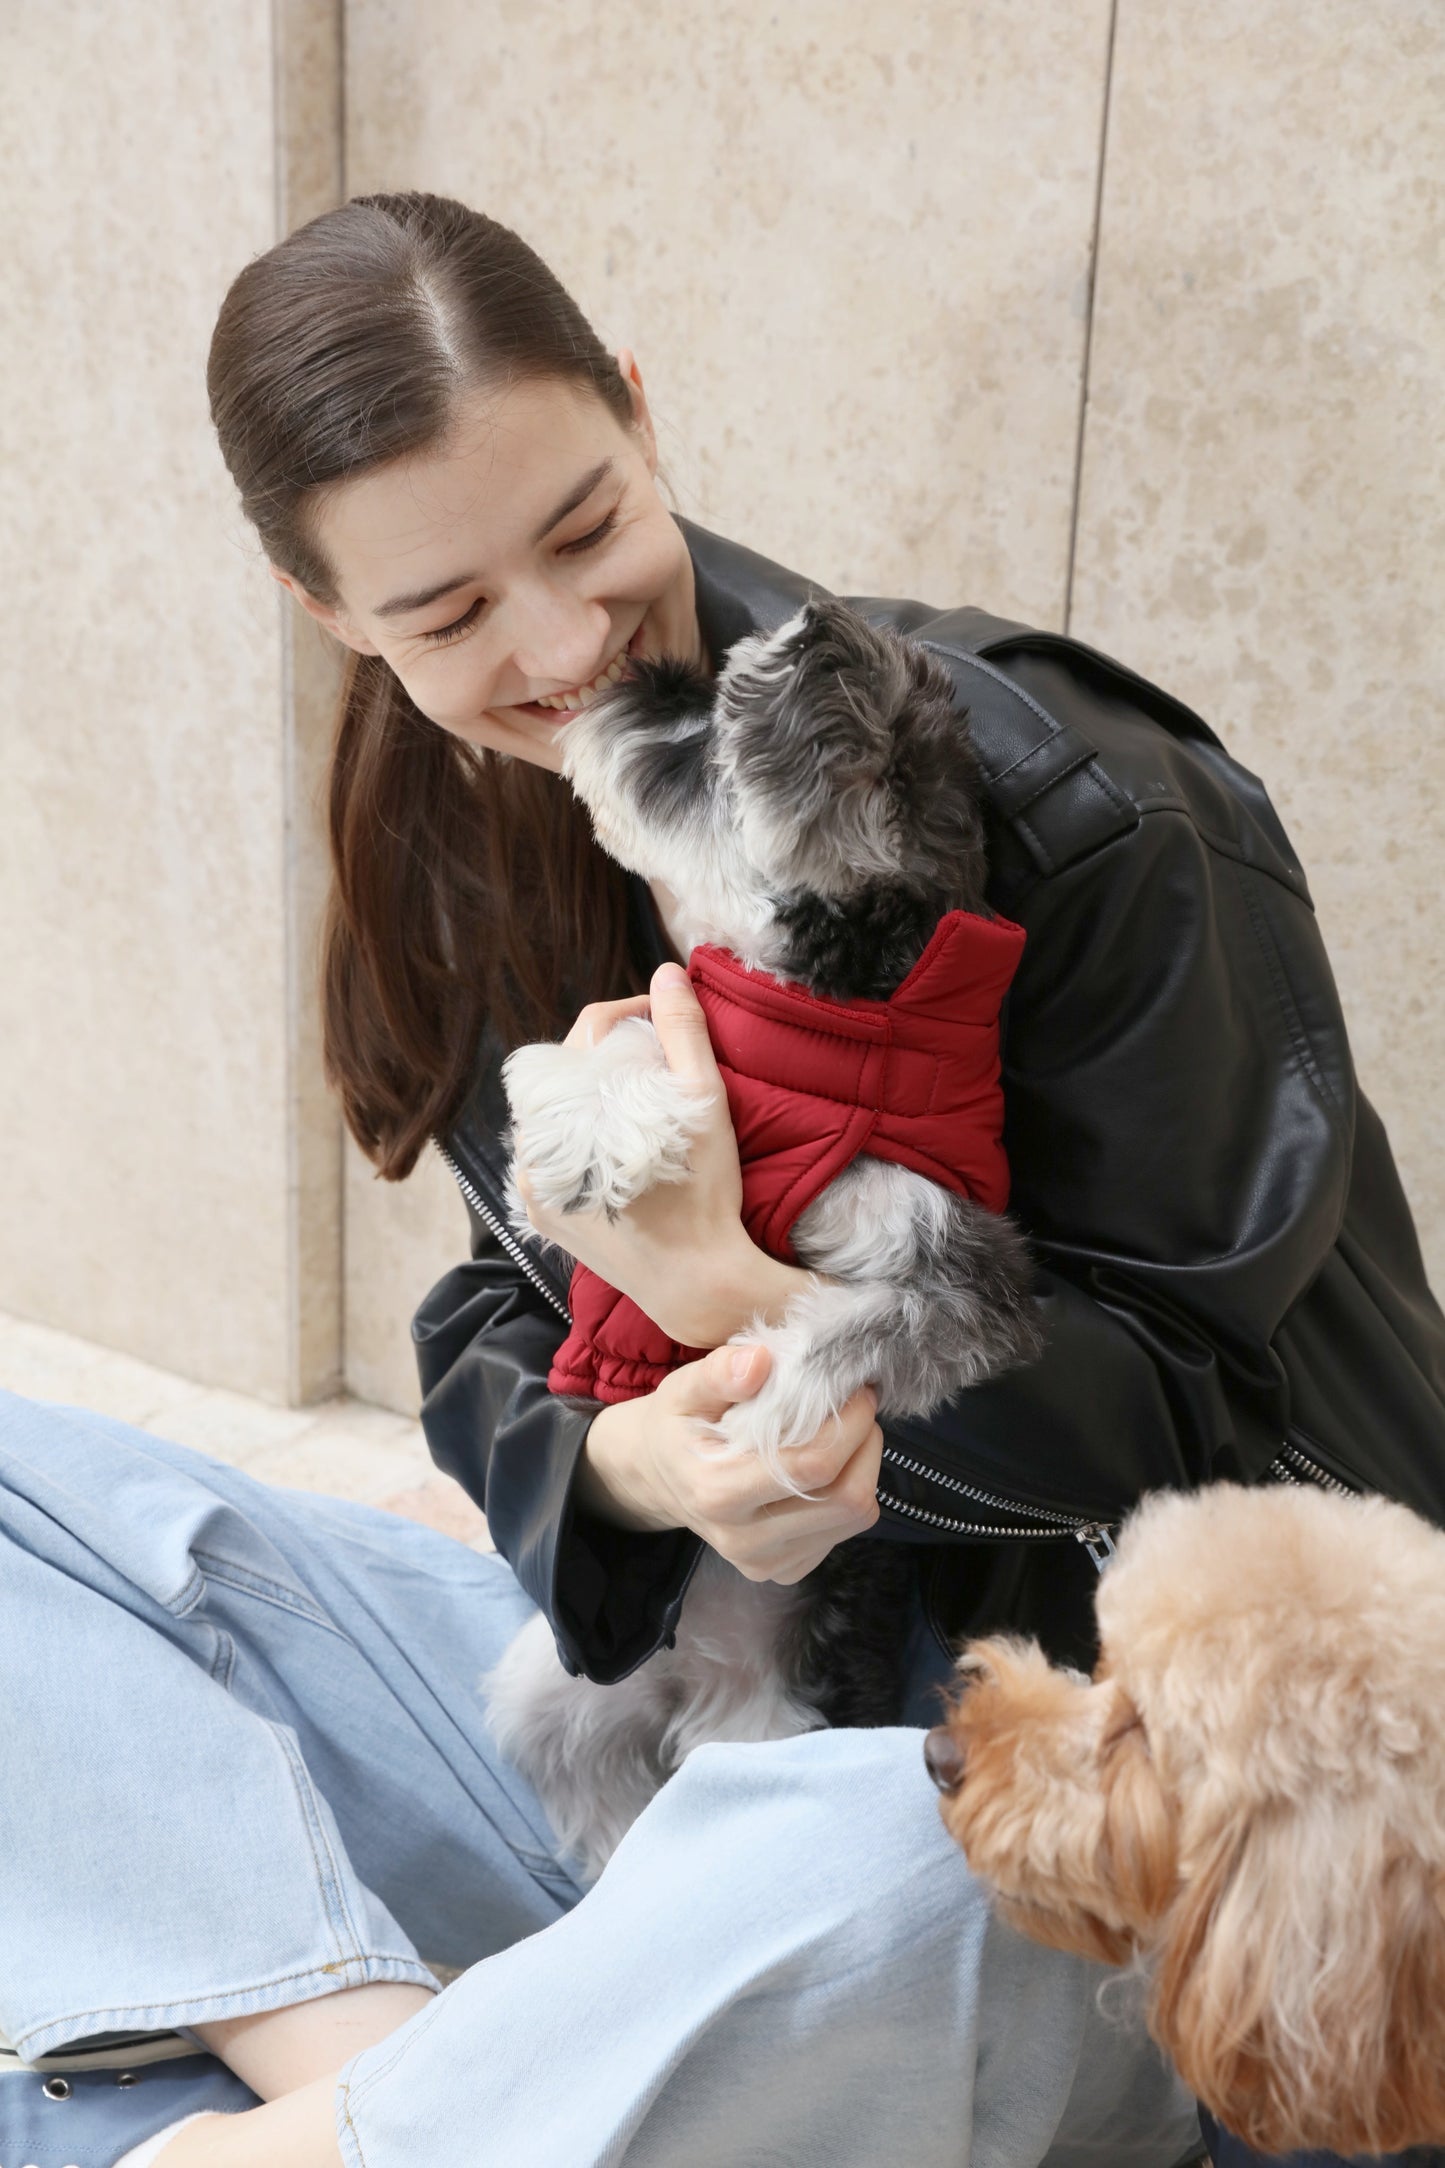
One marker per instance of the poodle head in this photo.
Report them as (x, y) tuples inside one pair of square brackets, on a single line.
[(1250, 1796), (1050, 1789)]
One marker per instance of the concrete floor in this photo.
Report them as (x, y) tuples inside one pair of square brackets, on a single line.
[(344, 1447)]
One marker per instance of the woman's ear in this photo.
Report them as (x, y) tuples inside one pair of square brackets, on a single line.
[(641, 412), (324, 614)]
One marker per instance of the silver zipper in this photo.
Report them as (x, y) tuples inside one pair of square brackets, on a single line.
[(1290, 1465), (1094, 1535), (502, 1232)]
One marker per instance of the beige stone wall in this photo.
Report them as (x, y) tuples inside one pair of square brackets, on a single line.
[(855, 251), (1262, 518), (171, 1177)]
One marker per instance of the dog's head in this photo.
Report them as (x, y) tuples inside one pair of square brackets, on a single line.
[(1050, 1789), (827, 763), (1249, 1796), (847, 765)]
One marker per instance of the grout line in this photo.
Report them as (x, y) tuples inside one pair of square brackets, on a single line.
[(1094, 241), (278, 122), (342, 190), (281, 60), (342, 1215)]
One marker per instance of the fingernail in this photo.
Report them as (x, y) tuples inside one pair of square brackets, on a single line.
[(670, 975), (740, 1365)]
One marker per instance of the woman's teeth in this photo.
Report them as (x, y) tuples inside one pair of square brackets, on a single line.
[(584, 695)]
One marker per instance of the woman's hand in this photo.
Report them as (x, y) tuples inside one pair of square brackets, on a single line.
[(681, 1252), (653, 1463)]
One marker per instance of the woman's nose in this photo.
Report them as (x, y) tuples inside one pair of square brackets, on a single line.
[(561, 642), (944, 1757)]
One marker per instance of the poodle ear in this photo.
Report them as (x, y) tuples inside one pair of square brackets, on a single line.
[(1139, 1859), (1301, 1985), (1060, 1807), (848, 760)]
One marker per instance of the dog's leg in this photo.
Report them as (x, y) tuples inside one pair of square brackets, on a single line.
[(592, 1753), (596, 1755), (597, 1126), (926, 1294)]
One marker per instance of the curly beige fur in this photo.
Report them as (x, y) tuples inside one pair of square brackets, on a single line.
[(1248, 1798)]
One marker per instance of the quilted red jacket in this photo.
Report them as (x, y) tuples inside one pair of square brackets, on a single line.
[(811, 1084)]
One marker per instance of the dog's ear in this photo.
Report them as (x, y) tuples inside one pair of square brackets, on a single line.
[(848, 759), (1116, 1864), (1138, 1851), (1059, 1806), (1300, 1989)]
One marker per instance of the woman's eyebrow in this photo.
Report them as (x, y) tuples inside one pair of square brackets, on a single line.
[(574, 497), (399, 605)]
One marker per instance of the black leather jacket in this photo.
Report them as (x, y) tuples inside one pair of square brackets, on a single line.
[(1230, 1283)]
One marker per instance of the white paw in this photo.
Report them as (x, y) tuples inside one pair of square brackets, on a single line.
[(597, 1127), (797, 1397), (823, 1348)]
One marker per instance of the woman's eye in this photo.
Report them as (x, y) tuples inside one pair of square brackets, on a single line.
[(454, 631), (598, 534)]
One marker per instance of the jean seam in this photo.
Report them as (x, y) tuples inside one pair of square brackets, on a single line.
[(330, 1879), (351, 2130), (227, 1574), (128, 2010), (188, 1595), (373, 2078), (223, 1664)]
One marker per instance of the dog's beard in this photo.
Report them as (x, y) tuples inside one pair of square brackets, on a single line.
[(660, 807)]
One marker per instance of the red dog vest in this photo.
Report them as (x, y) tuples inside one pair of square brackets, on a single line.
[(811, 1084)]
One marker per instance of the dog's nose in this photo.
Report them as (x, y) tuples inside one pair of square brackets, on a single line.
[(944, 1757)]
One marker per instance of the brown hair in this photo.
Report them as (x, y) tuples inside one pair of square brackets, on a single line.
[(466, 888)]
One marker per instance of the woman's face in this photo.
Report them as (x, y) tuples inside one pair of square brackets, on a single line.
[(505, 574)]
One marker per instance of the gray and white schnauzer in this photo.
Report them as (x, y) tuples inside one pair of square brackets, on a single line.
[(815, 810)]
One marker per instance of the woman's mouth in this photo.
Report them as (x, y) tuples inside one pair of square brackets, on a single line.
[(582, 696)]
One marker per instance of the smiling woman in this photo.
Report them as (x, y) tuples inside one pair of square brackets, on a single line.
[(451, 473), (573, 563)]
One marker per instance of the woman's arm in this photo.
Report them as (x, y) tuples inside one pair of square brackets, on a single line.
[(681, 1251), (604, 1532)]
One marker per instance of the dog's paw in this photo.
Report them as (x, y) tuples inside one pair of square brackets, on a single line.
[(596, 1127), (831, 1340), (807, 1384)]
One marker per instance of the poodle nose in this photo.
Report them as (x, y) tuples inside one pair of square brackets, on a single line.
[(944, 1757)]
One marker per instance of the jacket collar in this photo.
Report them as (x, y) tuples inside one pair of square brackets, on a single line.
[(739, 592)]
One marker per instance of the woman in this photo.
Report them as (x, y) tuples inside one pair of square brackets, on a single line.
[(784, 1960)]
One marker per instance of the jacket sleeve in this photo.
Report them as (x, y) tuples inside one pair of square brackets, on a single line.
[(1180, 1114), (485, 1341)]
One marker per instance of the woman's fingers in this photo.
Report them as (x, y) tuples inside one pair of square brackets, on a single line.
[(597, 1019), (792, 1535), (767, 1532), (644, 1463), (681, 1027), (823, 1465), (710, 1386)]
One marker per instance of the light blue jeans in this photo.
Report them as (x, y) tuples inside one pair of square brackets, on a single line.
[(246, 1762)]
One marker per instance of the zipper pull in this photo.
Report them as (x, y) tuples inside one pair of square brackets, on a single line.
[(1098, 1541)]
